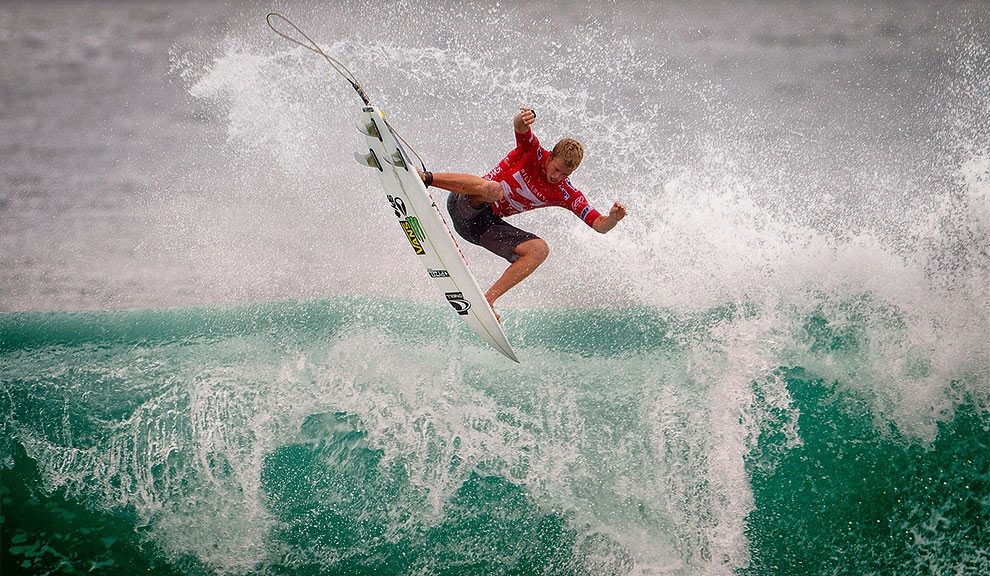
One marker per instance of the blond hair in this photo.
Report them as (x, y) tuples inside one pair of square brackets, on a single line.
[(570, 152)]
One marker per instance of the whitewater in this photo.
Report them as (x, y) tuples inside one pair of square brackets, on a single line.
[(218, 354)]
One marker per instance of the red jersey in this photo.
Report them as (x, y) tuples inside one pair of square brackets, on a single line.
[(525, 186)]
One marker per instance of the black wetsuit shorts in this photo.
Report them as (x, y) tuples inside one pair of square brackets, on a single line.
[(482, 227)]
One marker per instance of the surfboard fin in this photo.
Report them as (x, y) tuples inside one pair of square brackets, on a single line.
[(368, 128), (369, 159), (396, 159)]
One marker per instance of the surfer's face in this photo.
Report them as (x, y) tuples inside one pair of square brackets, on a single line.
[(556, 171)]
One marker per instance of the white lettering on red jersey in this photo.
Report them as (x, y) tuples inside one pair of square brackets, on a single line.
[(525, 186)]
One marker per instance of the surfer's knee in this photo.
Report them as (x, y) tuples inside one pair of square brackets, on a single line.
[(542, 249), (536, 249), (491, 191)]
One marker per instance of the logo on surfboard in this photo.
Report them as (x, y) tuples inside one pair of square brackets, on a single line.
[(398, 205), (411, 235), (457, 300), (410, 224)]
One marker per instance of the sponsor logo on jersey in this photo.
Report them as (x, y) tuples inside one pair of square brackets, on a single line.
[(457, 300), (584, 213), (437, 273)]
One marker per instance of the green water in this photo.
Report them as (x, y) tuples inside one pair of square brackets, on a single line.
[(776, 364), (313, 438)]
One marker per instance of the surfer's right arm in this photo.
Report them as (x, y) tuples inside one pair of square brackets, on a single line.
[(523, 119)]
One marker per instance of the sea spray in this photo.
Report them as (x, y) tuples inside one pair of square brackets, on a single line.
[(776, 364)]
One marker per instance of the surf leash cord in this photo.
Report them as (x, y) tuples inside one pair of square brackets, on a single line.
[(342, 70)]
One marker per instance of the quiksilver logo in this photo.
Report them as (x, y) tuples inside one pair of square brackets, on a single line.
[(457, 300)]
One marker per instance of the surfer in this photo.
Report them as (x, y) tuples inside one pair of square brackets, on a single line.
[(529, 177)]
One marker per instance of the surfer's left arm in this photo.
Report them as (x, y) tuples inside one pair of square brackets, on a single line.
[(603, 223)]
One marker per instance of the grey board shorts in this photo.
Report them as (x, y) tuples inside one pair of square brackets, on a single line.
[(482, 227)]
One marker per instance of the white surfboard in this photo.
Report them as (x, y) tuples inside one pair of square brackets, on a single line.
[(426, 229)]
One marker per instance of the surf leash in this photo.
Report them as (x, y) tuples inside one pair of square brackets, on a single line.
[(342, 70)]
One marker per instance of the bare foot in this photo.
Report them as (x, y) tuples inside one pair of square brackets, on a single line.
[(497, 315)]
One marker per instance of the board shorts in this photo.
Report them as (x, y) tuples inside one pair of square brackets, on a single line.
[(482, 227)]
